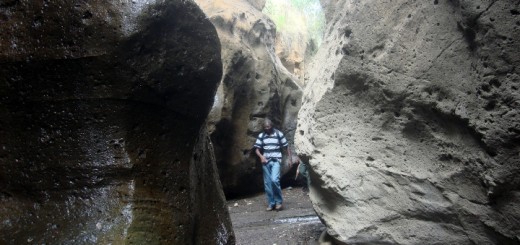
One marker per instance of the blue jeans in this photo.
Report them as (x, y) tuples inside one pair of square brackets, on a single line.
[(272, 182)]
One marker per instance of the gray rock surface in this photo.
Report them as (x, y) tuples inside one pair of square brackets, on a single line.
[(411, 122), (258, 4), (254, 85), (102, 124)]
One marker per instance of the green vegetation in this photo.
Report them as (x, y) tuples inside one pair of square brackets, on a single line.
[(298, 16)]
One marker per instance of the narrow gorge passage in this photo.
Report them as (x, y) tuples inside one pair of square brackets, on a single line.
[(131, 121)]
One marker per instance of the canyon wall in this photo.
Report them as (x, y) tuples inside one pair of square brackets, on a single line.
[(255, 85), (411, 122), (102, 124)]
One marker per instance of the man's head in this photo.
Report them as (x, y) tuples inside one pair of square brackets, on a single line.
[(268, 126)]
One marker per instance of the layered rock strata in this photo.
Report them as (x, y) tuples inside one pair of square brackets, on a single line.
[(411, 122), (102, 113), (255, 85)]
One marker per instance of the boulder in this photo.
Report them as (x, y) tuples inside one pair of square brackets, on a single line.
[(254, 85), (411, 123), (102, 124)]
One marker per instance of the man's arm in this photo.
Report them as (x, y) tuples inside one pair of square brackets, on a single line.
[(285, 143), (288, 150), (259, 144), (259, 154)]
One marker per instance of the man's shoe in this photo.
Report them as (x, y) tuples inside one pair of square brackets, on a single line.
[(269, 208), (278, 207)]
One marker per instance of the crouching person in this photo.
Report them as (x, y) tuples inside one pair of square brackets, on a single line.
[(302, 169)]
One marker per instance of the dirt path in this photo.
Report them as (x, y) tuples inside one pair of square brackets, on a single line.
[(297, 223)]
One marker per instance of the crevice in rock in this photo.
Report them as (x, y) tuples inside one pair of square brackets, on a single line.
[(437, 57)]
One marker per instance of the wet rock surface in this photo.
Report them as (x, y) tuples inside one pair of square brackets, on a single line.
[(410, 121), (297, 223), (255, 85), (102, 112)]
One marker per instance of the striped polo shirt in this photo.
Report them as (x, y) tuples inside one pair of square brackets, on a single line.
[(271, 143)]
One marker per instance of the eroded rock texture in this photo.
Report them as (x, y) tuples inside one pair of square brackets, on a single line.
[(255, 85), (291, 49), (412, 124), (102, 113)]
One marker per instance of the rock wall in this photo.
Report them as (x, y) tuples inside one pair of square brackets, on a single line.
[(102, 113), (291, 49), (411, 122), (255, 85)]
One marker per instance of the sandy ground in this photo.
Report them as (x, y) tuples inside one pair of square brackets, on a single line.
[(296, 223)]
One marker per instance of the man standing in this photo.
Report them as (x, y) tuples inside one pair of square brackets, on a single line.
[(268, 148)]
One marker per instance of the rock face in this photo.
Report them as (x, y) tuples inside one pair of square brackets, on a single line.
[(255, 85), (102, 113), (291, 49), (411, 122), (258, 4)]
